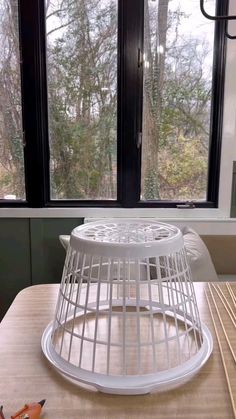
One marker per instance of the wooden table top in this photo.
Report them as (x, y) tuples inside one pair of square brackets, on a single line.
[(26, 376)]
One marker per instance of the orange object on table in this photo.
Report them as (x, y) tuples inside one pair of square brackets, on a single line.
[(29, 411), (1, 413)]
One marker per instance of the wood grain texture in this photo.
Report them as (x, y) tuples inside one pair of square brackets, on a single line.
[(26, 376)]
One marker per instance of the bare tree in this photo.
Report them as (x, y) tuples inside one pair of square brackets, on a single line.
[(155, 51), (11, 149)]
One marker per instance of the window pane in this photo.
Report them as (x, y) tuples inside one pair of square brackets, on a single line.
[(177, 99), (12, 183), (82, 98)]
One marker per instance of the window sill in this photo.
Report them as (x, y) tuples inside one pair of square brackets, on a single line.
[(204, 221)]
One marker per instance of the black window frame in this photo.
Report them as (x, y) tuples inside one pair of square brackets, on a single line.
[(32, 40)]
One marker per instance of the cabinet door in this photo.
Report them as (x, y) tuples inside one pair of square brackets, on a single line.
[(47, 253), (15, 264)]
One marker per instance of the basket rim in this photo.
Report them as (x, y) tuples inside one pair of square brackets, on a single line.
[(130, 385)]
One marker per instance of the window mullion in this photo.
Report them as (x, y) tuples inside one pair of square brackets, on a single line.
[(129, 100), (217, 105), (34, 98)]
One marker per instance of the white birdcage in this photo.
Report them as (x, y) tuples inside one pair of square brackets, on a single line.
[(126, 319)]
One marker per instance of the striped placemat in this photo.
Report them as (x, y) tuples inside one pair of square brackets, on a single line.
[(221, 299)]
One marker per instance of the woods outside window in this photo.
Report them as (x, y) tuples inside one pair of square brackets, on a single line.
[(121, 102)]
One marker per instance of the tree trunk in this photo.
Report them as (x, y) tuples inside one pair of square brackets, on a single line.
[(153, 95)]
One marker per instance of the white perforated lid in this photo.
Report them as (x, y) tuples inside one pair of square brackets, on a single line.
[(127, 238)]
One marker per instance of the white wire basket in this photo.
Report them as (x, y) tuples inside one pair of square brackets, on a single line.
[(115, 327)]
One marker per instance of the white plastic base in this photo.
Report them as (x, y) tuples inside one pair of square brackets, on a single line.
[(130, 385)]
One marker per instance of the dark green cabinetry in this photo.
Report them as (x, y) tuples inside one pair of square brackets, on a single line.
[(30, 253), (15, 263)]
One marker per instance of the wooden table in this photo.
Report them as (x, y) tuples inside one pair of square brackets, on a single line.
[(26, 376)]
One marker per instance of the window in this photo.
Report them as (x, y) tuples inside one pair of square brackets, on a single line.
[(82, 98), (178, 50), (122, 103), (12, 184)]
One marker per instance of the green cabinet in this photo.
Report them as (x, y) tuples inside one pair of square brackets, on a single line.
[(30, 253), (47, 253), (15, 261)]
